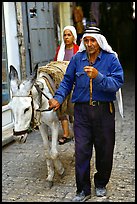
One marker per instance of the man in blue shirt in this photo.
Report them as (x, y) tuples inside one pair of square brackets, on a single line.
[(96, 75)]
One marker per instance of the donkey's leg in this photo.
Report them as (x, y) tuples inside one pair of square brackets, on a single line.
[(54, 151), (50, 166)]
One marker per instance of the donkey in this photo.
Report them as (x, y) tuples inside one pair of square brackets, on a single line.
[(30, 103)]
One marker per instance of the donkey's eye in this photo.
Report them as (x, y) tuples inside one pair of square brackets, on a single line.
[(26, 110)]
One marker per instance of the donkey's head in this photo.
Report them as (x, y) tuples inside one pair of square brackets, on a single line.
[(21, 103)]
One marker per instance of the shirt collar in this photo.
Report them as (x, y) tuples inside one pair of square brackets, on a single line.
[(84, 57)]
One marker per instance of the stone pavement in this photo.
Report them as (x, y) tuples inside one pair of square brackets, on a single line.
[(24, 168)]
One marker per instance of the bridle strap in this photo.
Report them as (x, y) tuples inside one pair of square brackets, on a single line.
[(17, 133), (32, 123), (22, 96), (39, 90)]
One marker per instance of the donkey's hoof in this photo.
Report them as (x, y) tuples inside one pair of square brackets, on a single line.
[(49, 184)]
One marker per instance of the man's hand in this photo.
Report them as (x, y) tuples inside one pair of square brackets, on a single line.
[(53, 104), (91, 72)]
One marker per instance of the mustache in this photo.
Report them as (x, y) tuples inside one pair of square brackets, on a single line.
[(89, 47)]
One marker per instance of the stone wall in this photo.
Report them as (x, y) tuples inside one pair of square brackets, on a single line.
[(20, 36)]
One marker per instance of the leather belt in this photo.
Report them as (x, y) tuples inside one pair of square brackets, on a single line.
[(95, 103)]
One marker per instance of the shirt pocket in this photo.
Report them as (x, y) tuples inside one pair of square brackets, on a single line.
[(81, 79)]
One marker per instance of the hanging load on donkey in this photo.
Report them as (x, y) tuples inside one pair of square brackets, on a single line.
[(53, 73)]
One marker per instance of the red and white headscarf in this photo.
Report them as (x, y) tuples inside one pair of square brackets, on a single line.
[(61, 52)]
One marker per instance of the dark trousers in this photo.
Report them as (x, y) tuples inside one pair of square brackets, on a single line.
[(93, 125)]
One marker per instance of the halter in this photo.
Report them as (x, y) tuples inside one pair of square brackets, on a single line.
[(39, 90), (33, 124), (17, 133), (50, 85)]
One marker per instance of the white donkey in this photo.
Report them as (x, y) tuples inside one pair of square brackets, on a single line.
[(30, 103)]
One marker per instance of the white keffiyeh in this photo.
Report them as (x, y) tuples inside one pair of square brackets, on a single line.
[(94, 32), (61, 52), (101, 41)]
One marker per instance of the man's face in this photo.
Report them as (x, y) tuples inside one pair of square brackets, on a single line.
[(91, 45)]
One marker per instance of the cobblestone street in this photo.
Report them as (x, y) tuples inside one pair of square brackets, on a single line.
[(24, 167)]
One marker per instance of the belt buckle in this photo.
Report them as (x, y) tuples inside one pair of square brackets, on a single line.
[(93, 103)]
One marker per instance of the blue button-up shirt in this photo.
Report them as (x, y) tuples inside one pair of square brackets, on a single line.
[(109, 79)]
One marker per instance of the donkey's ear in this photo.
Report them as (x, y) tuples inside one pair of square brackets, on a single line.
[(35, 70), (13, 74), (34, 74), (14, 80)]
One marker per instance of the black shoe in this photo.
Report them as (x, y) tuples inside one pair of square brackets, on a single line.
[(101, 191), (81, 197), (64, 140)]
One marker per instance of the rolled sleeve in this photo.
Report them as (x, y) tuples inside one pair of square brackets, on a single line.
[(59, 99)]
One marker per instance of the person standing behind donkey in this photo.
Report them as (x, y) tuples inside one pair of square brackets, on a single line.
[(65, 52), (78, 22), (94, 110)]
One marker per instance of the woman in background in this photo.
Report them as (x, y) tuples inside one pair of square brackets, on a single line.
[(64, 52)]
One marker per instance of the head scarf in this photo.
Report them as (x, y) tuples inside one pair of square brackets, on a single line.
[(96, 33), (61, 52)]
